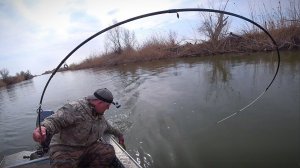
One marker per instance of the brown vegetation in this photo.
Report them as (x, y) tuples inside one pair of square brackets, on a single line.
[(284, 28), (9, 80), (121, 45)]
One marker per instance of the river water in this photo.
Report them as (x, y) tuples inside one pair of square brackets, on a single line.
[(170, 110)]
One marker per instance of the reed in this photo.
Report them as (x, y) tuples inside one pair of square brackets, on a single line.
[(282, 23), (6, 79)]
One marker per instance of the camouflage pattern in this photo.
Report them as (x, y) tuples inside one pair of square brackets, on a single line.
[(76, 130), (77, 125), (96, 155)]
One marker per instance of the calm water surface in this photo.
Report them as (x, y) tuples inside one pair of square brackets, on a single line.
[(170, 110)]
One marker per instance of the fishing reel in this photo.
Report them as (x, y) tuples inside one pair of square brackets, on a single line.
[(116, 104)]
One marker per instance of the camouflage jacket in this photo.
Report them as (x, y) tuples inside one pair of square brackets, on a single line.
[(76, 125)]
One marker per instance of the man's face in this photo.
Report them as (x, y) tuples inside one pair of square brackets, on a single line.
[(101, 106)]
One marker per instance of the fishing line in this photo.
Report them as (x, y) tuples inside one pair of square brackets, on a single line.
[(248, 105), (176, 11)]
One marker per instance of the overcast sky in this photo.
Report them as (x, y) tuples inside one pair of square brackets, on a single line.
[(37, 34)]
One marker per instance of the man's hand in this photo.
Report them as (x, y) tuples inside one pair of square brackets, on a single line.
[(37, 136), (122, 141)]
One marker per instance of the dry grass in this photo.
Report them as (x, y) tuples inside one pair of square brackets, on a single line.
[(284, 28), (2, 84), (9, 80), (287, 38)]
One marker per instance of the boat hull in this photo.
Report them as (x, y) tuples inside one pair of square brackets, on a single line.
[(22, 159)]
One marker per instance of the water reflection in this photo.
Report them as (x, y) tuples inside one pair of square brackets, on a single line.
[(1, 100), (220, 70), (11, 92), (170, 109), (228, 83)]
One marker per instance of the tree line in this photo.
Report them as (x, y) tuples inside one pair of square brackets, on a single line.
[(283, 23), (6, 79)]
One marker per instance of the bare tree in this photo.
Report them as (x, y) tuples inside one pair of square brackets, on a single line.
[(114, 38), (120, 38), (4, 73), (129, 39), (172, 38), (215, 26), (214, 29), (106, 46), (294, 11)]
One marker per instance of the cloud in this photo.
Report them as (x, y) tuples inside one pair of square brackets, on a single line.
[(31, 28), (47, 30), (112, 12)]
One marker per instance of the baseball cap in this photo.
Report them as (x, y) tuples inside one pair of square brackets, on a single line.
[(105, 95)]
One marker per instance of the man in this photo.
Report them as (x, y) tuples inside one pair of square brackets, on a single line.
[(76, 129)]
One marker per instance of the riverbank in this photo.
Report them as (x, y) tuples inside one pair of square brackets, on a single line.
[(165, 51), (155, 94), (158, 53), (215, 36), (7, 80), (286, 36)]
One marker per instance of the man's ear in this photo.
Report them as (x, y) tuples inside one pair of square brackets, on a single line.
[(93, 102)]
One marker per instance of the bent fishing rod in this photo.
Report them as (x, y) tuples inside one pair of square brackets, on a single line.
[(172, 11)]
